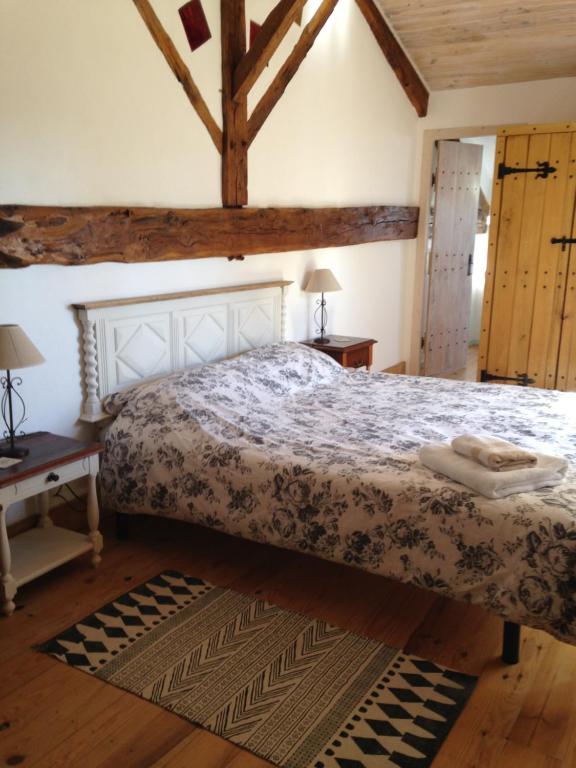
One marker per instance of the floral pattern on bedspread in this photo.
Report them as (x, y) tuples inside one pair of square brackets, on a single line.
[(282, 445)]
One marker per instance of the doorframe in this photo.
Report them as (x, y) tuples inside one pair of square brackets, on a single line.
[(429, 138)]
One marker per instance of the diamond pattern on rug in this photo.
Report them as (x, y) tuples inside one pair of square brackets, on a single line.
[(408, 733), (294, 690)]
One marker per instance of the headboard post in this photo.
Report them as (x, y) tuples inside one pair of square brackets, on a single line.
[(132, 340), (91, 408), (283, 312)]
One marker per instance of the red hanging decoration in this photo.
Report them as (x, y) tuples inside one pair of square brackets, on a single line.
[(195, 24), (254, 29)]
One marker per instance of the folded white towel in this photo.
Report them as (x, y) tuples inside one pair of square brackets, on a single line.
[(494, 453), (494, 485)]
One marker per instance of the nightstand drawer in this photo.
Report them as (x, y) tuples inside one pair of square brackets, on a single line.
[(358, 358), (50, 478)]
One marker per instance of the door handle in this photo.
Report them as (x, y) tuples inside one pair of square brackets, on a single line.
[(470, 263)]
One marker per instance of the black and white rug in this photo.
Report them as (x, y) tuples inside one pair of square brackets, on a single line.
[(294, 690)]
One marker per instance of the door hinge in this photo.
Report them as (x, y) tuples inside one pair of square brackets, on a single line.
[(522, 379), (543, 170), (564, 241), (422, 342)]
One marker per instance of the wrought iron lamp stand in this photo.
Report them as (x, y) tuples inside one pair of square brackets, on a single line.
[(321, 320), (6, 408)]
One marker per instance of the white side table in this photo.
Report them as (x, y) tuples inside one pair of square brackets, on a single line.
[(52, 461)]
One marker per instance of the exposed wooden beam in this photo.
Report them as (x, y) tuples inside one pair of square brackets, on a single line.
[(234, 112), (400, 63), (179, 68), (268, 39), (289, 68), (45, 235)]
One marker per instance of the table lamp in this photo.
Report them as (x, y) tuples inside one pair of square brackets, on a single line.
[(322, 281), (16, 351)]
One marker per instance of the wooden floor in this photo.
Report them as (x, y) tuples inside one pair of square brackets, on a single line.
[(53, 716), (470, 373)]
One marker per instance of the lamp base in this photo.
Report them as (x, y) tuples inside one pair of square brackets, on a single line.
[(322, 340), (14, 453)]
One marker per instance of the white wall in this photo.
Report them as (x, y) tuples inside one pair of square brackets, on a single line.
[(488, 144), (91, 114), (545, 101)]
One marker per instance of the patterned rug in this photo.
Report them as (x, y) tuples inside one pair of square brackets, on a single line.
[(296, 691)]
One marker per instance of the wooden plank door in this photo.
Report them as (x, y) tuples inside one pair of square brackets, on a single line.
[(457, 190), (566, 375), (526, 279)]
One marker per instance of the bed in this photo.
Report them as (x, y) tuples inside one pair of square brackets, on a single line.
[(281, 445)]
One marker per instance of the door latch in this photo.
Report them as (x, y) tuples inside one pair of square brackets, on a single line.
[(522, 379), (564, 241)]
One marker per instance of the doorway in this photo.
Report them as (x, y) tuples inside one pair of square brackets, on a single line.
[(456, 255)]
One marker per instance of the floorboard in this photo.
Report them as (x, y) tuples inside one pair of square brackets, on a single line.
[(54, 717), (470, 372)]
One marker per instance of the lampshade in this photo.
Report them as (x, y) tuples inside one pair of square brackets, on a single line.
[(322, 281), (16, 349)]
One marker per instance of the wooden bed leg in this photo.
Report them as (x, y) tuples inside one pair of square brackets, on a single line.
[(122, 526), (511, 643)]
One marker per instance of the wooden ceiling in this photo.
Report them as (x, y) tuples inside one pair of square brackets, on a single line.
[(465, 43)]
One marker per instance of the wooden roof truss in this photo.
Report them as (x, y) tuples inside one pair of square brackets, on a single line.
[(40, 235)]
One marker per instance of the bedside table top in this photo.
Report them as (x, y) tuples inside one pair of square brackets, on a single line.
[(340, 343), (46, 451)]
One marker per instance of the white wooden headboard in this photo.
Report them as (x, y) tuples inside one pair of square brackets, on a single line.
[(126, 341)]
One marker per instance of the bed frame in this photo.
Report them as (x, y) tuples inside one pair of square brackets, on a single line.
[(129, 341)]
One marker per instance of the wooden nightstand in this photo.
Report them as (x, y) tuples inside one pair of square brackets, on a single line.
[(52, 461), (349, 351)]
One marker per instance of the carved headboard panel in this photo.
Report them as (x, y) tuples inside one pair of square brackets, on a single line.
[(126, 341)]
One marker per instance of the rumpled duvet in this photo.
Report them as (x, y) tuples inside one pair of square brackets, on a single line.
[(283, 446)]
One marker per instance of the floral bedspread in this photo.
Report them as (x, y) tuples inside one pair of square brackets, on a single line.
[(283, 446)]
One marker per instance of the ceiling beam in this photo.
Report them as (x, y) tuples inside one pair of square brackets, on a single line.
[(403, 68), (271, 34), (289, 68), (179, 68), (73, 236)]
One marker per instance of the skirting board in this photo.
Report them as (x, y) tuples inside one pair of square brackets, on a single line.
[(397, 368)]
